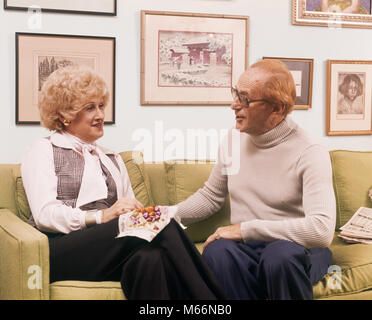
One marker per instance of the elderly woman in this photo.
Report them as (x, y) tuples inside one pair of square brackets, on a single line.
[(77, 190)]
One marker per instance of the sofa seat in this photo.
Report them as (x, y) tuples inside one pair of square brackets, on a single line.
[(356, 278), (355, 261), (356, 273), (86, 290)]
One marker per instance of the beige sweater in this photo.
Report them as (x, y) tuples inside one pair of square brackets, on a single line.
[(282, 190)]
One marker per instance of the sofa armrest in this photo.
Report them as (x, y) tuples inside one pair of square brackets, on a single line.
[(24, 260)]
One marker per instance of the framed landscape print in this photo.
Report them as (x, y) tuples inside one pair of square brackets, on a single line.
[(332, 13), (349, 97), (302, 72), (38, 55), (191, 59), (100, 7)]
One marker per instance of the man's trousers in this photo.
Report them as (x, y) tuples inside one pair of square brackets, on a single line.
[(279, 270)]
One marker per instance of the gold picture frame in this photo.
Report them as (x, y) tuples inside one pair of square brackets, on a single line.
[(302, 72), (191, 58), (39, 54), (95, 7), (349, 97), (332, 13)]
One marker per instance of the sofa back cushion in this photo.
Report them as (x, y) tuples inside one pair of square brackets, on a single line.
[(23, 208), (137, 175), (185, 177), (352, 179), (7, 200), (157, 176), (139, 179)]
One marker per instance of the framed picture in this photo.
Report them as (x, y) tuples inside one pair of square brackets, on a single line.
[(302, 72), (332, 13), (100, 7), (38, 55), (191, 59), (349, 97)]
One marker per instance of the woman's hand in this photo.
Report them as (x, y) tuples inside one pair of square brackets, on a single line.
[(121, 206), (232, 232)]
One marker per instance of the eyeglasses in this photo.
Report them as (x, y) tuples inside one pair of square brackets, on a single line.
[(243, 100)]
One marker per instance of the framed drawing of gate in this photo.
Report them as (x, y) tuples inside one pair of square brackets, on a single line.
[(191, 59)]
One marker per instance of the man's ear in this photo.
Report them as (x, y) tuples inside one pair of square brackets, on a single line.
[(279, 109)]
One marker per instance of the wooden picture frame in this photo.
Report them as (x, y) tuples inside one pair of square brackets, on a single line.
[(95, 7), (337, 14), (302, 72), (191, 58), (38, 55), (349, 97)]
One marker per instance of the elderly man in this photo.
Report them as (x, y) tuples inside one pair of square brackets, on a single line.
[(282, 199)]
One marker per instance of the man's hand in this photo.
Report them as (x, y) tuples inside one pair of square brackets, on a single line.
[(229, 232)]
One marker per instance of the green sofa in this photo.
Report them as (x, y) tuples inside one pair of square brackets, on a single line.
[(24, 252)]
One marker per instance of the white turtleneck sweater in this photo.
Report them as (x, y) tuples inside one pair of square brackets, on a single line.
[(282, 190)]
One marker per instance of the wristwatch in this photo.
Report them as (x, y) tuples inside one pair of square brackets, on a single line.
[(93, 217)]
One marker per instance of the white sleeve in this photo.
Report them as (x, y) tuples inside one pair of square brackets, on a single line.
[(40, 183)]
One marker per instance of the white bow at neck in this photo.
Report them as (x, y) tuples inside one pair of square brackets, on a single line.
[(93, 184)]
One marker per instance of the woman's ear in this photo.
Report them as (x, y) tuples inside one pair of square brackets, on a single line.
[(64, 121)]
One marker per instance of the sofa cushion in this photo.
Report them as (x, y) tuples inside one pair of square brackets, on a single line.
[(86, 290), (352, 179), (355, 265), (137, 175), (139, 179), (7, 200), (184, 177), (22, 207), (354, 262), (156, 174)]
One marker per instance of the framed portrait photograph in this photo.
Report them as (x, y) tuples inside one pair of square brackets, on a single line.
[(99, 7), (332, 13), (191, 59), (302, 72), (349, 97), (38, 55)]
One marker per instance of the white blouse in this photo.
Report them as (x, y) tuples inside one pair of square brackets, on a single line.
[(40, 182)]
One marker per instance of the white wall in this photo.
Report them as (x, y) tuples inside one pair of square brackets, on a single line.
[(271, 34)]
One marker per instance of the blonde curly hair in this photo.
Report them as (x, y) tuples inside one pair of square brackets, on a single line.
[(64, 93)]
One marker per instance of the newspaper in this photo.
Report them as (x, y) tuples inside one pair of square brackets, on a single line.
[(359, 228), (146, 223)]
